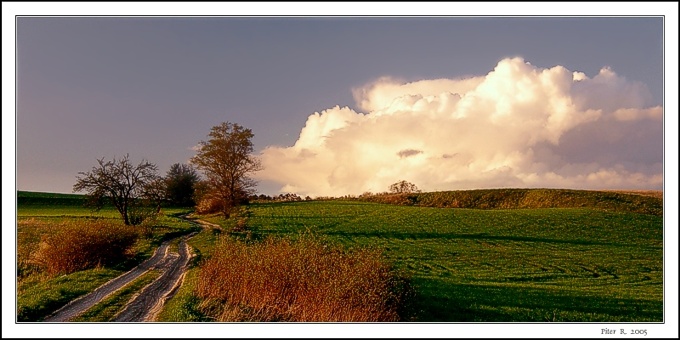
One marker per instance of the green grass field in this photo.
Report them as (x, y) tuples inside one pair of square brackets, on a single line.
[(568, 264), (469, 265)]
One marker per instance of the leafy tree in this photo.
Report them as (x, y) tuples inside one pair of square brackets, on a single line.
[(227, 161), (403, 187), (180, 183), (132, 189)]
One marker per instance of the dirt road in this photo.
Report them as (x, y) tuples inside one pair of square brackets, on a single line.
[(80, 305), (146, 305)]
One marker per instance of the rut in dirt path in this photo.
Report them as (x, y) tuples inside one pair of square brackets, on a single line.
[(146, 305), (83, 303)]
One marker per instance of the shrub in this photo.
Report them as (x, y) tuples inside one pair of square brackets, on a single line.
[(299, 281), (209, 205), (82, 245)]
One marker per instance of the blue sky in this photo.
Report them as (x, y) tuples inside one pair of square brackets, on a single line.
[(153, 86)]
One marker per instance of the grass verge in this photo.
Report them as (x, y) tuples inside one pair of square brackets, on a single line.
[(109, 307), (185, 305), (43, 298)]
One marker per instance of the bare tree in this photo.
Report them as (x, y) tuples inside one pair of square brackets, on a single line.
[(227, 161), (403, 187), (131, 189)]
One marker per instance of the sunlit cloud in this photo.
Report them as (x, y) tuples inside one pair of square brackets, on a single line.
[(517, 126)]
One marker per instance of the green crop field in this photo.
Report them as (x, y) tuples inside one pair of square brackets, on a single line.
[(39, 204), (525, 265), (599, 259)]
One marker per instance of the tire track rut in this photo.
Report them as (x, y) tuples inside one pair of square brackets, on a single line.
[(146, 305)]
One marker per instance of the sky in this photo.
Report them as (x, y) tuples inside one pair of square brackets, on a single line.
[(345, 105)]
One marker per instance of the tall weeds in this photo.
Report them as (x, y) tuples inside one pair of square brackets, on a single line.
[(299, 281), (80, 245)]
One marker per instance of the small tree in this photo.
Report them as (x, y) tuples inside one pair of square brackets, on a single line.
[(154, 193), (403, 187), (227, 161), (180, 182), (131, 189)]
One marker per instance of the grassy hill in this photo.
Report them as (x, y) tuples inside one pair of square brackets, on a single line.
[(503, 265), (528, 199)]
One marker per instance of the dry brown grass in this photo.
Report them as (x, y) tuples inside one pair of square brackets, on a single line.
[(299, 281), (28, 238), (79, 245)]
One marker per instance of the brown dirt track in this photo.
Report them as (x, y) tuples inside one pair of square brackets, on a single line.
[(80, 305), (149, 301), (146, 305)]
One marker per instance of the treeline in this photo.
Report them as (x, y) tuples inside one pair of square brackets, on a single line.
[(287, 197)]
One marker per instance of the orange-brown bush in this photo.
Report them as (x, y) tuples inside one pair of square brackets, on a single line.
[(209, 205), (299, 281), (84, 244)]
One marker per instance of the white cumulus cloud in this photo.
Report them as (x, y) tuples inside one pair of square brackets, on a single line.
[(517, 126)]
